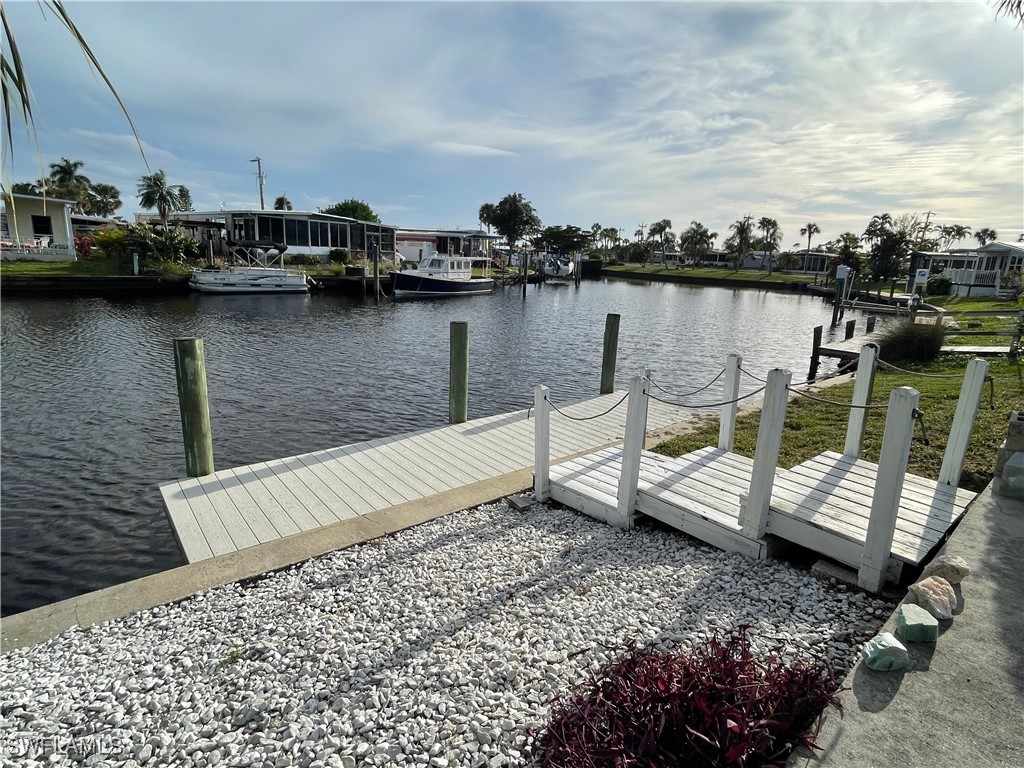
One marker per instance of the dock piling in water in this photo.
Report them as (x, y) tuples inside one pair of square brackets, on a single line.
[(611, 349), (190, 373), (458, 377)]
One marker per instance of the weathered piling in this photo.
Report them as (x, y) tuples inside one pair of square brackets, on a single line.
[(190, 373), (851, 326), (458, 376), (611, 349), (815, 353), (871, 323)]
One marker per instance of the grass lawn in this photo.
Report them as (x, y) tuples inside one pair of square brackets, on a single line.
[(94, 266), (813, 427), (713, 273), (975, 304)]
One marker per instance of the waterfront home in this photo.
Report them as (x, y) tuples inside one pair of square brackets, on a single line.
[(36, 228), (415, 245), (974, 271), (304, 232)]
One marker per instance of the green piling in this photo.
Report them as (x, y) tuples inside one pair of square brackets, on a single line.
[(458, 378), (611, 349), (190, 372)]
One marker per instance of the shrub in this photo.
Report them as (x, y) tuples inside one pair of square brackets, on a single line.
[(83, 246), (307, 259), (716, 705), (938, 285), (340, 256), (912, 341), (112, 242)]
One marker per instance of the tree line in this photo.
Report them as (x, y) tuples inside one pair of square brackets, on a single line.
[(882, 249)]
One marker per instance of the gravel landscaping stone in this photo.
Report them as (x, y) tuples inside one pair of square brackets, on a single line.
[(439, 646)]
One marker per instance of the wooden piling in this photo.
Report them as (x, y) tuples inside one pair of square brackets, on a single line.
[(837, 300), (815, 353), (963, 422), (458, 375), (851, 325), (730, 392), (190, 373), (754, 512), (611, 349), (871, 323)]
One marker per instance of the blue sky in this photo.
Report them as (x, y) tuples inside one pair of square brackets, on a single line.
[(618, 113)]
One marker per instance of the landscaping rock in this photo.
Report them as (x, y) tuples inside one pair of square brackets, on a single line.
[(915, 625), (936, 596), (884, 653), (949, 567)]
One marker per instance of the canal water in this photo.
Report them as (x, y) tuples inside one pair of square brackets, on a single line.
[(89, 409)]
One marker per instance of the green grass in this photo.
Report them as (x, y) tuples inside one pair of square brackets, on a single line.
[(93, 266), (812, 427), (976, 303), (714, 273)]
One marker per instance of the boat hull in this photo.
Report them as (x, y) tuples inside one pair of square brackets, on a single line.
[(249, 280), (406, 285)]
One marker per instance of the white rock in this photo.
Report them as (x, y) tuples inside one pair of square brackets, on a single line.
[(936, 596), (949, 567)]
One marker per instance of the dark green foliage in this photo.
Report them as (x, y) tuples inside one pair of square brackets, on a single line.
[(515, 219), (307, 259), (353, 209), (938, 285), (340, 256), (912, 341), (717, 705)]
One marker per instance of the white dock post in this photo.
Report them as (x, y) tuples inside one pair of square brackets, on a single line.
[(541, 444), (963, 422), (754, 514), (892, 466), (730, 391), (632, 446), (862, 389)]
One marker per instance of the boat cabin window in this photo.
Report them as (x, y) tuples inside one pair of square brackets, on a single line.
[(435, 263)]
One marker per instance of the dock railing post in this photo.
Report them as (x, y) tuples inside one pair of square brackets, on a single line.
[(458, 375), (885, 503), (730, 391), (611, 348), (754, 513), (541, 444), (632, 447), (190, 373), (963, 422), (862, 389)]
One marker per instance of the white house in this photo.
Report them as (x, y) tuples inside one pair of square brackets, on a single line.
[(36, 228), (414, 245), (979, 271)]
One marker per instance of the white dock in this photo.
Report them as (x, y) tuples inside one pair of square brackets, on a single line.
[(242, 507)]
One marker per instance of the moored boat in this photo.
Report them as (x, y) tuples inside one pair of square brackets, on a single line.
[(257, 273), (440, 275), (559, 266)]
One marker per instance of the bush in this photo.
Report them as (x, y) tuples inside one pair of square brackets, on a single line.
[(112, 242), (340, 256), (938, 285), (83, 246), (307, 259), (912, 341), (716, 705)]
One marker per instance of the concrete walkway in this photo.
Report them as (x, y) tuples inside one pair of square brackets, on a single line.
[(960, 703)]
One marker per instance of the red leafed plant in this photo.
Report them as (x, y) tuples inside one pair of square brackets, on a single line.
[(718, 705)]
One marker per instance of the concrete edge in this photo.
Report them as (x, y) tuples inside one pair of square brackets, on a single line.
[(40, 624)]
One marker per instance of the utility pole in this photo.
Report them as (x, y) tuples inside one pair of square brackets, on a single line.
[(260, 177)]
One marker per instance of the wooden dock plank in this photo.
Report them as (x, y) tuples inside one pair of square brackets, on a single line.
[(187, 530), (280, 505), (289, 496), (217, 536), (320, 500), (265, 521)]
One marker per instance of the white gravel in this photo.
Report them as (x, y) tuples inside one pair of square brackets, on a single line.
[(439, 646)]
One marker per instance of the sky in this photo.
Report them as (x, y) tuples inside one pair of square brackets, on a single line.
[(618, 113)]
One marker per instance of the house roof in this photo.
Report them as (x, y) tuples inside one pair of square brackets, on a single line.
[(189, 215), (1002, 245), (41, 198)]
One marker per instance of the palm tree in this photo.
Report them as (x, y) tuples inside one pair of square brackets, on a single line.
[(104, 200), (810, 230), (155, 192), (282, 203), (66, 181), (742, 232), (696, 241), (985, 235), (610, 236), (486, 216), (771, 238), (659, 229), (952, 233)]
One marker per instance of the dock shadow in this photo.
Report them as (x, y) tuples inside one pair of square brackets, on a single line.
[(874, 691)]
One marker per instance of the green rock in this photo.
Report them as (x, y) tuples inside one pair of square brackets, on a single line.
[(915, 625), (884, 652)]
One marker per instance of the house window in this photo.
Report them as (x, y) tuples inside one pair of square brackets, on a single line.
[(42, 225), (296, 232)]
